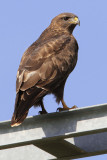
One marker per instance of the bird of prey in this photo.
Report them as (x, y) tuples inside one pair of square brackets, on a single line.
[(45, 66)]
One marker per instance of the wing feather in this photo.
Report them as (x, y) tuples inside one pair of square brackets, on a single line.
[(43, 64)]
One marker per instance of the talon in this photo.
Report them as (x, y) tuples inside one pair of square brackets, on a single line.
[(42, 112), (74, 107), (39, 113), (65, 109), (61, 109)]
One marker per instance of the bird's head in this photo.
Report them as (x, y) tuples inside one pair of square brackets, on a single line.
[(65, 22)]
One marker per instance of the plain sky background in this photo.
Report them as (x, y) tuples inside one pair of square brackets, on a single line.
[(21, 23)]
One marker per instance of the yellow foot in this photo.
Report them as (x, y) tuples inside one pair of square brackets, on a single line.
[(43, 112), (65, 109)]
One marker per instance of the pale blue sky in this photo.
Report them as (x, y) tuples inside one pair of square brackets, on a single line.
[(21, 23)]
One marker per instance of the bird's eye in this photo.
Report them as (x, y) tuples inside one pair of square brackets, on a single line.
[(66, 18)]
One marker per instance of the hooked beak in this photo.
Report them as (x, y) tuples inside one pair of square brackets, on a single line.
[(74, 20)]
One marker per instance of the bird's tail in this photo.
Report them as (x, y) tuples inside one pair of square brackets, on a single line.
[(17, 121), (21, 109), (24, 101)]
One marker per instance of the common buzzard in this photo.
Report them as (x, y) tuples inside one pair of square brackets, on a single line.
[(45, 66)]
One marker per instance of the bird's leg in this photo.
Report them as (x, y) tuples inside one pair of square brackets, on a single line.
[(43, 109), (65, 107)]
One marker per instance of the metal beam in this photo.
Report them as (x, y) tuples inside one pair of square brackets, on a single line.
[(72, 134)]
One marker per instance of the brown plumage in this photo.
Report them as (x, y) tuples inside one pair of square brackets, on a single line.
[(45, 66)]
